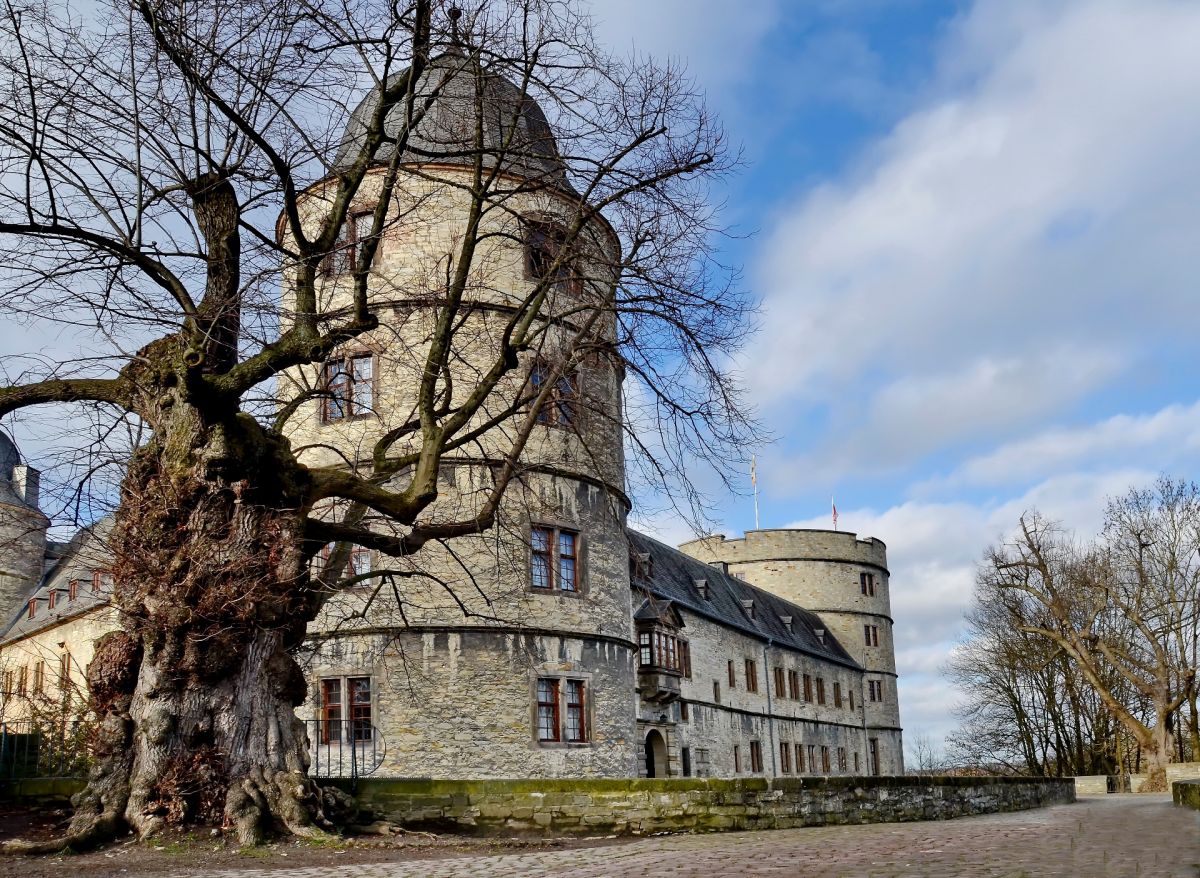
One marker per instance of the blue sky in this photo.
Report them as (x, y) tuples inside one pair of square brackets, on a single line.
[(976, 244)]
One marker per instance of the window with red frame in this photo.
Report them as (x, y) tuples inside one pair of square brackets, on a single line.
[(344, 258), (547, 709), (575, 730), (331, 710), (544, 256), (559, 409), (349, 387), (554, 559)]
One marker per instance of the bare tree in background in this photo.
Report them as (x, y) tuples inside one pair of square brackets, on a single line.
[(174, 184), (1025, 707), (1124, 611), (924, 756)]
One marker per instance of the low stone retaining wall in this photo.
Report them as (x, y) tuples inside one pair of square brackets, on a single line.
[(1098, 785), (604, 807), (1186, 793), (47, 790)]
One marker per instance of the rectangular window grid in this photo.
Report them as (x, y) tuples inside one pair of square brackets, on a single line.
[(349, 387), (547, 709), (751, 675), (756, 763), (554, 559)]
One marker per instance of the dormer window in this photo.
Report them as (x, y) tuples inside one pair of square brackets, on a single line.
[(51, 599), (787, 623), (748, 606), (642, 564), (32, 607), (702, 589)]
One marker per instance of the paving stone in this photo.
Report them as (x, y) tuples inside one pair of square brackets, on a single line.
[(1105, 837)]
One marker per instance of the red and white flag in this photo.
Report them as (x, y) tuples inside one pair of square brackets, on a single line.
[(833, 503)]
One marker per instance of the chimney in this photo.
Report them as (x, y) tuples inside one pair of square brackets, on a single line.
[(723, 566), (27, 483)]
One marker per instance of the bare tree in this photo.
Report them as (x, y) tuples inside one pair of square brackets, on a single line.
[(1124, 611), (184, 189), (1024, 706), (924, 756)]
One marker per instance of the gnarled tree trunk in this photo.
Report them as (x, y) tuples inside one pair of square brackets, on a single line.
[(197, 693)]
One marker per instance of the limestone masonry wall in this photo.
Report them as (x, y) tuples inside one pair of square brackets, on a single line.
[(633, 807), (1186, 793)]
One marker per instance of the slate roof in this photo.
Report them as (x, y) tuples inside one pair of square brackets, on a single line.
[(674, 577), (74, 560), (446, 133)]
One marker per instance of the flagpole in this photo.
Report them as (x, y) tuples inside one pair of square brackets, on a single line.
[(754, 482), (833, 503)]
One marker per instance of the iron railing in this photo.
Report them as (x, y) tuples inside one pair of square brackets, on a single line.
[(44, 748), (350, 748), (32, 748)]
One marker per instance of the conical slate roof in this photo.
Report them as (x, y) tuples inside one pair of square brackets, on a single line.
[(513, 124)]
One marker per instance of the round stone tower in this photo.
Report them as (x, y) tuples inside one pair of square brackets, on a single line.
[(22, 530), (845, 581), (483, 638)]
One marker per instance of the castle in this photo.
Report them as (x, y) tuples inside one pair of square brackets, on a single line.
[(559, 643)]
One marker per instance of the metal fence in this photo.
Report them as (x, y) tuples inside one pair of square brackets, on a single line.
[(38, 748), (31, 748), (344, 748)]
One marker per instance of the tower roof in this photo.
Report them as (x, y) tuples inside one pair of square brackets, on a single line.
[(515, 129)]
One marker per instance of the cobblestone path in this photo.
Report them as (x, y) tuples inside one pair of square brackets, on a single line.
[(1109, 837)]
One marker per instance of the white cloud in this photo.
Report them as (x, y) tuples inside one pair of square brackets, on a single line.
[(1167, 437), (1041, 204), (916, 414)]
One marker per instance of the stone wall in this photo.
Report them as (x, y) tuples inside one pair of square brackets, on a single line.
[(1098, 785), (715, 726), (461, 702), (820, 571), (1186, 793), (603, 807)]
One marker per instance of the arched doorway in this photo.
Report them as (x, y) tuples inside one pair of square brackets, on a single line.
[(656, 754)]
